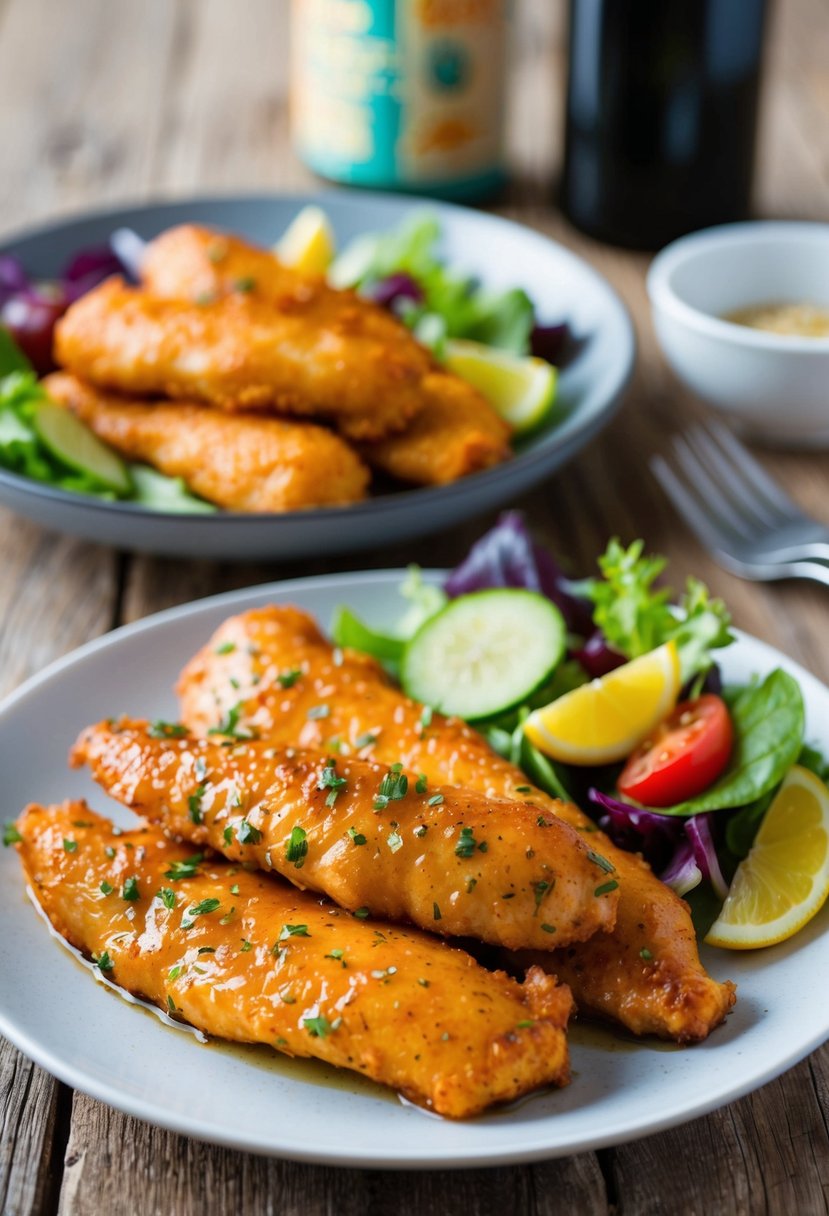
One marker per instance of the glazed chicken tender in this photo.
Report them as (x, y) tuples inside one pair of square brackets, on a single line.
[(455, 432), (366, 835), (246, 957), (243, 462), (646, 974)]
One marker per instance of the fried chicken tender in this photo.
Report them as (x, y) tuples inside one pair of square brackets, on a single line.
[(313, 353), (455, 432), (243, 462), (646, 974), (249, 958), (447, 859)]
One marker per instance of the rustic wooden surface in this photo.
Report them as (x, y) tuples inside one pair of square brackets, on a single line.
[(103, 101)]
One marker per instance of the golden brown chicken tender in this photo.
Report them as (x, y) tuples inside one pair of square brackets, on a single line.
[(454, 433), (244, 462), (249, 958), (646, 974), (446, 859), (312, 353)]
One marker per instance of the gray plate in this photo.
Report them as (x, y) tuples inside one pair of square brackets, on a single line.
[(500, 253)]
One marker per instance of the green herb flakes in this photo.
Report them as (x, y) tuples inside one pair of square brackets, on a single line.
[(246, 833), (102, 961), (395, 841), (11, 835), (318, 711), (606, 887), (318, 1028), (159, 729), (361, 913), (545, 928), (293, 931), (287, 679), (69, 846), (421, 785), (296, 849), (601, 862), (645, 954), (540, 890), (435, 800), (365, 740), (130, 891), (106, 888), (194, 804), (435, 912), (357, 838), (202, 908), (187, 868)]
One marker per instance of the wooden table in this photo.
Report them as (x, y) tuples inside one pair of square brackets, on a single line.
[(105, 101)]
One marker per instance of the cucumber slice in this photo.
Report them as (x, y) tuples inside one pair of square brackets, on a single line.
[(162, 493), (484, 653), (66, 437)]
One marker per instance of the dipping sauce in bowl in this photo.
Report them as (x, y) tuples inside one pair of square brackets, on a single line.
[(797, 320)]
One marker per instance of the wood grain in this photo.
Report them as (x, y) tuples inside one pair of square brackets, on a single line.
[(105, 100)]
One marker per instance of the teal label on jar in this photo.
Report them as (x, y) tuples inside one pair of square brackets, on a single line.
[(399, 93)]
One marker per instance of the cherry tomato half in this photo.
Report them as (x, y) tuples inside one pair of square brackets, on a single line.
[(685, 754)]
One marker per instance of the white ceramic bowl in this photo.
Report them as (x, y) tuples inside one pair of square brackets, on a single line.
[(770, 386)]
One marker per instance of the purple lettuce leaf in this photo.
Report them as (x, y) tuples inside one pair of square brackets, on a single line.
[(596, 657), (507, 556), (548, 341), (698, 832), (637, 830), (394, 289), (682, 873)]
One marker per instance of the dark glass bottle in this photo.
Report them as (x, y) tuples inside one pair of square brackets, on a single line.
[(661, 116)]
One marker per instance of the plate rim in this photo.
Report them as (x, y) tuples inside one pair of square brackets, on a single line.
[(479, 1156), (412, 497)]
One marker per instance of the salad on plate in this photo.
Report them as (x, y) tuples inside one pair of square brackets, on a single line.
[(610, 697)]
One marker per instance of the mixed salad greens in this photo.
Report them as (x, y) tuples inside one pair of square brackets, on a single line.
[(692, 796)]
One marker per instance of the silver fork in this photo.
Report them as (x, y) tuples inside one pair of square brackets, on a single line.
[(737, 511)]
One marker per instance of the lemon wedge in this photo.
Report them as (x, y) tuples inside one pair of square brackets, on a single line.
[(784, 881), (521, 390), (606, 719), (308, 242)]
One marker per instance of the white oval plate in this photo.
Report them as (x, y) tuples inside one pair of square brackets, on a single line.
[(53, 1010), (500, 253)]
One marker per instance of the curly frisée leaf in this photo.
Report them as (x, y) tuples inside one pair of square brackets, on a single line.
[(635, 616)]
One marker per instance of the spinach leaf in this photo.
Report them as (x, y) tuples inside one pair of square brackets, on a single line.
[(768, 723)]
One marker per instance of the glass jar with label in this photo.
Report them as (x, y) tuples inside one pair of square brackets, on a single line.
[(401, 94)]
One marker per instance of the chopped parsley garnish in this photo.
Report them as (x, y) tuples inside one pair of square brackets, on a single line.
[(356, 837), (194, 804), (319, 1027), (130, 891), (545, 928), (287, 997), (11, 834), (426, 716), (435, 912), (246, 833), (293, 931), (540, 889), (227, 834), (601, 862), (234, 890), (395, 841), (246, 945), (109, 852), (226, 648), (245, 284), (361, 913), (287, 679), (393, 787), (435, 800), (422, 830), (187, 868), (329, 780), (523, 789), (645, 954), (106, 888), (421, 785), (296, 849), (471, 884), (228, 916), (525, 1023), (202, 908), (171, 1005), (229, 724), (207, 949), (606, 887), (102, 961), (541, 822), (318, 711), (365, 740), (466, 844), (69, 846), (337, 956), (175, 972), (159, 729), (200, 768)]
